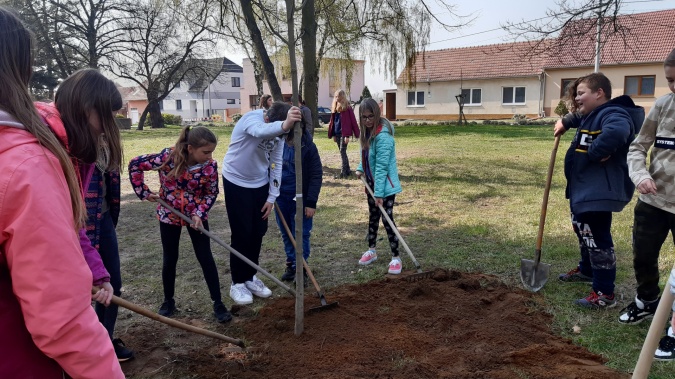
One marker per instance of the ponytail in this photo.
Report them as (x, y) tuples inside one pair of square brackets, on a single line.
[(196, 137)]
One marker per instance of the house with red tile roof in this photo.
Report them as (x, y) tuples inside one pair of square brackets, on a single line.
[(634, 63), (499, 81)]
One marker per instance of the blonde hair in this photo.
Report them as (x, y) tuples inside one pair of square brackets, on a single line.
[(340, 102)]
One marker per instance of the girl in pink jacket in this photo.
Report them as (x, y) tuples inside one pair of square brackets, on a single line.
[(47, 324)]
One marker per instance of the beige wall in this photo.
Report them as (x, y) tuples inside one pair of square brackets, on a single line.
[(616, 75), (440, 102), (325, 98)]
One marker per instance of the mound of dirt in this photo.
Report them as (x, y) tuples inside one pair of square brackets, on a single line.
[(453, 325)]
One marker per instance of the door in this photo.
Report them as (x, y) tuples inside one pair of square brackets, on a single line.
[(390, 106), (134, 115)]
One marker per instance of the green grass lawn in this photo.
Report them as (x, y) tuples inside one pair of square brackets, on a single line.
[(471, 201)]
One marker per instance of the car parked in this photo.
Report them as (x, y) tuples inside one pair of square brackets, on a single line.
[(324, 114)]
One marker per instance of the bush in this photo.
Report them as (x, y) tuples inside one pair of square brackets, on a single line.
[(236, 117), (170, 119), (119, 115), (561, 109)]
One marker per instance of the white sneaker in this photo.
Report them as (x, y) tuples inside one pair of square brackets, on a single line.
[(258, 288), (395, 266), (240, 294)]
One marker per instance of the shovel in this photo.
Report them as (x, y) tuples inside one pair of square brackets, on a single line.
[(534, 274), (176, 324), (324, 304), (420, 274), (228, 247)]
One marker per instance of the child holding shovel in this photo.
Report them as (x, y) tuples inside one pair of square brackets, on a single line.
[(251, 179), (597, 179), (655, 208), (378, 164), (47, 324), (312, 174), (188, 178), (83, 110)]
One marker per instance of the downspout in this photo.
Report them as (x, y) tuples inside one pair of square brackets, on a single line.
[(542, 93)]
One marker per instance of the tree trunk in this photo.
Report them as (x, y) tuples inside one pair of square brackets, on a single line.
[(141, 121), (309, 64), (156, 120), (261, 50)]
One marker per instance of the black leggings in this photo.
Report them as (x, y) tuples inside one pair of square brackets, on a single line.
[(374, 222), (200, 242)]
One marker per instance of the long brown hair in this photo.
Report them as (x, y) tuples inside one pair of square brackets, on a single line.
[(16, 69), (263, 101), (196, 137), (81, 93), (365, 136)]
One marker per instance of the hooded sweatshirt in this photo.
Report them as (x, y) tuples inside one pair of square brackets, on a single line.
[(606, 132), (47, 324)]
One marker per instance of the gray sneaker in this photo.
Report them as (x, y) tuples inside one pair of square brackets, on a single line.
[(258, 288), (575, 276)]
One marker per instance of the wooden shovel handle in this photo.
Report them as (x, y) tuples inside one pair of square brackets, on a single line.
[(393, 227), (290, 236), (544, 203), (646, 358), (176, 324)]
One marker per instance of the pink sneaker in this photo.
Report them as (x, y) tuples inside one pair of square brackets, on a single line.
[(395, 266), (368, 257)]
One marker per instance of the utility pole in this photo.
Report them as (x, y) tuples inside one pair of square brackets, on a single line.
[(598, 35)]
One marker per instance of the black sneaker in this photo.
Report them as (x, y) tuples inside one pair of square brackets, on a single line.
[(168, 308), (305, 281), (123, 353), (666, 350), (575, 276), (221, 312), (637, 311), (289, 274)]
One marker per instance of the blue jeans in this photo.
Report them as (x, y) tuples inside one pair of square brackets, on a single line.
[(110, 256), (287, 206)]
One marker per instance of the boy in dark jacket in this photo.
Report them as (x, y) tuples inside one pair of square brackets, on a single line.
[(312, 174), (597, 179)]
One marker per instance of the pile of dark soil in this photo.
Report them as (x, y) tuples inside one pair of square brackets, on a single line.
[(454, 325)]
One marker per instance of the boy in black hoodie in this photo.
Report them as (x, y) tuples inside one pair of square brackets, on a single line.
[(597, 179)]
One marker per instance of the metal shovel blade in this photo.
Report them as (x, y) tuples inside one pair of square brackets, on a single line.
[(534, 275)]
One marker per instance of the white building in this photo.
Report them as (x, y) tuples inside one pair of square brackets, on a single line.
[(214, 91)]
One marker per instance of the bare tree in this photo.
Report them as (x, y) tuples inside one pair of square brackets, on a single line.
[(572, 28), (163, 41), (389, 32)]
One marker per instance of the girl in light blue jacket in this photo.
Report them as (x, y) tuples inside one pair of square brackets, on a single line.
[(378, 164)]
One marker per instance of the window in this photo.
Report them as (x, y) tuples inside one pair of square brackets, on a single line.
[(472, 96), (179, 105), (236, 82), (415, 98), (230, 101), (513, 95), (639, 85), (564, 83)]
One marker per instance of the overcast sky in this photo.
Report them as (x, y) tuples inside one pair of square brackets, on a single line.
[(490, 14)]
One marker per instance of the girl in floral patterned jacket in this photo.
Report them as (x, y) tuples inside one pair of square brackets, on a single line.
[(188, 178)]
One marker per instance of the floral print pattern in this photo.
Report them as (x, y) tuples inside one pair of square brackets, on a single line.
[(193, 193)]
